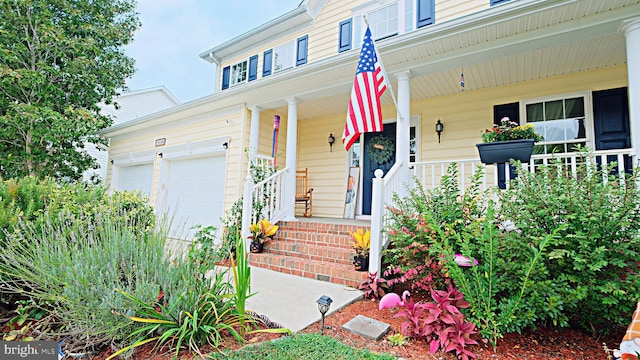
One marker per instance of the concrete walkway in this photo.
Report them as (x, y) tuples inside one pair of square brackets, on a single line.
[(291, 300)]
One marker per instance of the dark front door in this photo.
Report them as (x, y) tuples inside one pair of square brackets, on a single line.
[(611, 121), (370, 165)]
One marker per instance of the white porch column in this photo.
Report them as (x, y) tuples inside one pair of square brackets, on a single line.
[(254, 132), (292, 160), (402, 127), (631, 30)]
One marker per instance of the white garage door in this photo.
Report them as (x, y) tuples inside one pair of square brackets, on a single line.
[(137, 177), (195, 193)]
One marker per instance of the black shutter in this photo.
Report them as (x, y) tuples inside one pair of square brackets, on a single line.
[(302, 48), (226, 75), (344, 42), (267, 61), (426, 13), (512, 111), (253, 67)]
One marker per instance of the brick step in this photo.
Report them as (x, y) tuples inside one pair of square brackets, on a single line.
[(312, 251), (317, 234), (331, 272)]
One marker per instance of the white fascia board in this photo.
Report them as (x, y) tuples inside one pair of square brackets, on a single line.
[(292, 19)]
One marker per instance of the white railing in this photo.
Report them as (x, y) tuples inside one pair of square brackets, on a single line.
[(265, 197), (381, 195), (430, 173)]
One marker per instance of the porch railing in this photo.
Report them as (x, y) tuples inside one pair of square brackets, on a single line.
[(430, 173), (265, 197), (381, 195)]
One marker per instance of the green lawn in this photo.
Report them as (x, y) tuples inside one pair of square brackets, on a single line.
[(303, 346)]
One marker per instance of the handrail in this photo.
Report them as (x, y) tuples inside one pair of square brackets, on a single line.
[(264, 200), (381, 195)]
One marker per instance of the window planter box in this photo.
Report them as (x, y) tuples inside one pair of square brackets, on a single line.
[(503, 151)]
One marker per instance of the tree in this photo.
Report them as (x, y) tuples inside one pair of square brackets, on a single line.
[(58, 60)]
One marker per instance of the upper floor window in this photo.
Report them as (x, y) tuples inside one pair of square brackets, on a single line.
[(384, 21), (386, 18), (283, 56), (239, 73), (561, 121)]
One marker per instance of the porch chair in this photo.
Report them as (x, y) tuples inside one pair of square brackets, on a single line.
[(303, 191)]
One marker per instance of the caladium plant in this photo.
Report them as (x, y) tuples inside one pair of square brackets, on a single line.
[(440, 322)]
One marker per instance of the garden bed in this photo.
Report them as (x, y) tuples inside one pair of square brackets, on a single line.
[(541, 344)]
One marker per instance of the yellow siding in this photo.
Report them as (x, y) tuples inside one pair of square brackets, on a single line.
[(451, 9), (203, 127), (467, 114), (327, 170)]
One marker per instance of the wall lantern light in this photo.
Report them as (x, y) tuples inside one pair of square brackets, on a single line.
[(439, 129), (331, 140)]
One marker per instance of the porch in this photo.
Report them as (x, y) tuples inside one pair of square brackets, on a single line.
[(318, 247)]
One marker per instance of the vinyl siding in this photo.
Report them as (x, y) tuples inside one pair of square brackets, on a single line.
[(327, 170), (194, 129), (450, 9), (465, 116)]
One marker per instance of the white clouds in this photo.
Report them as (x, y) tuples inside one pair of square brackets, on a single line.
[(175, 32)]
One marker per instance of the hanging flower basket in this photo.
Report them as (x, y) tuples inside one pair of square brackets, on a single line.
[(504, 151)]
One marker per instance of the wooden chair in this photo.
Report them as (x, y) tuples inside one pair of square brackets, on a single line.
[(303, 191)]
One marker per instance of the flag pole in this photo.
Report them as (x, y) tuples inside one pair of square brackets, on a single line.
[(393, 95)]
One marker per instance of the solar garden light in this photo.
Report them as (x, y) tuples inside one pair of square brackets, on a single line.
[(324, 302)]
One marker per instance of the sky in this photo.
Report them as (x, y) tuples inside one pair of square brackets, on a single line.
[(175, 32)]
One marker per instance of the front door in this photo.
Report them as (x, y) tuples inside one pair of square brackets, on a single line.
[(376, 150)]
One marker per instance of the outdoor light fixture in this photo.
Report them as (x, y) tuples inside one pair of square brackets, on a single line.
[(439, 129), (225, 145), (160, 155), (332, 139), (324, 302)]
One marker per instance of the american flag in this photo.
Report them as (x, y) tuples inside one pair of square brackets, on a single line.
[(365, 110)]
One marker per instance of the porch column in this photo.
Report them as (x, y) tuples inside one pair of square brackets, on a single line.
[(403, 127), (631, 30), (292, 161), (254, 132)]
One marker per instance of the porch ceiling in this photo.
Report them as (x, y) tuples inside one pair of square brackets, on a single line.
[(524, 41)]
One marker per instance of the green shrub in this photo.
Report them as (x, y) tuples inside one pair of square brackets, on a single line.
[(597, 250), (506, 282), (72, 269), (412, 225)]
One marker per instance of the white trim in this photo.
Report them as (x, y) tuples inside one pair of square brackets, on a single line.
[(133, 158), (588, 113), (195, 149), (416, 122)]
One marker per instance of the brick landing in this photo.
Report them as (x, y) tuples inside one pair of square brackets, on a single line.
[(314, 249)]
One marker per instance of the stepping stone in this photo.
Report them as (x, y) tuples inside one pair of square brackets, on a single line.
[(367, 327)]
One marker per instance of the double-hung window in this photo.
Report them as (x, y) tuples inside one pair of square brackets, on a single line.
[(239, 73), (283, 56), (561, 121)]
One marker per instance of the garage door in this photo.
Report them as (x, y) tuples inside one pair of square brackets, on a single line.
[(195, 193), (137, 177)]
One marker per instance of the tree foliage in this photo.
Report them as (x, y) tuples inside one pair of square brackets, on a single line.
[(58, 60)]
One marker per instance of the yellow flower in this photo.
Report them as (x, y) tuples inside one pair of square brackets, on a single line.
[(267, 229)]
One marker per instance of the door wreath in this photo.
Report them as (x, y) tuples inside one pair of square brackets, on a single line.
[(381, 149)]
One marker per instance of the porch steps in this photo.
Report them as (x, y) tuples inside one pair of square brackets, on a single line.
[(314, 249)]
